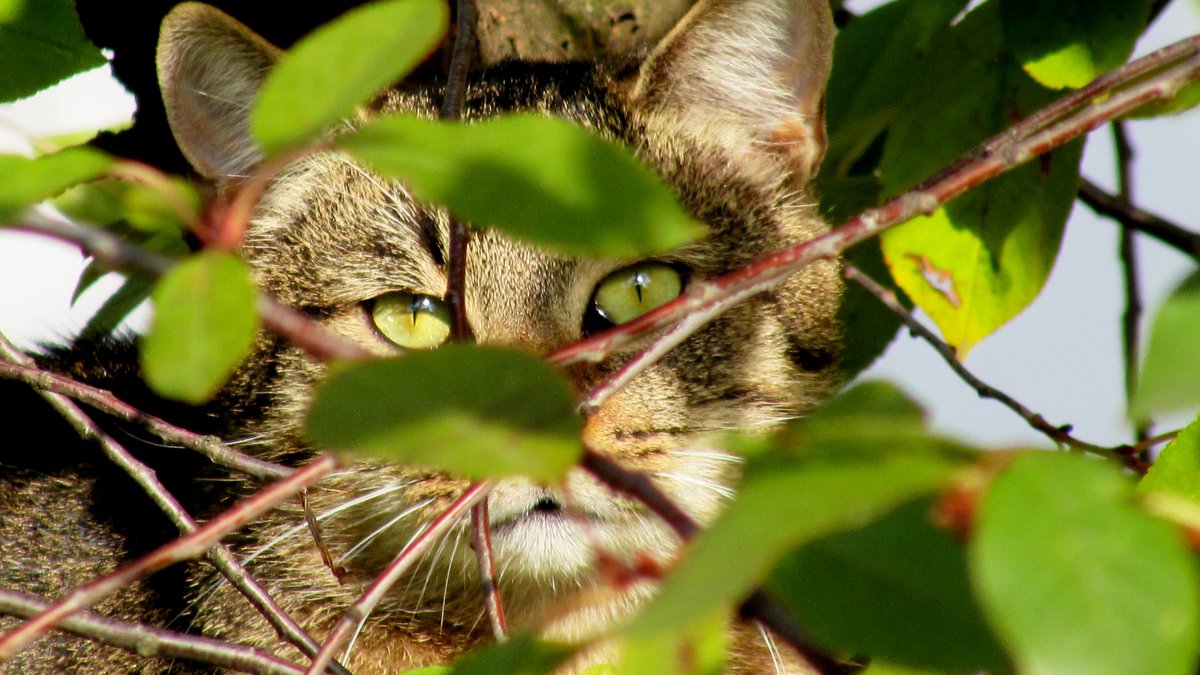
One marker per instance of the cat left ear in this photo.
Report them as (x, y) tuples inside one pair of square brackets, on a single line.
[(749, 73), (210, 68)]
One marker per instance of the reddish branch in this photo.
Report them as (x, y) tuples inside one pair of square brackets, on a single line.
[(758, 606), (1064, 120), (481, 543), (357, 613), (1058, 434), (146, 641), (186, 547)]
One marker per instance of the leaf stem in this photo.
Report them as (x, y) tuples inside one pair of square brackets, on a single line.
[(481, 542)]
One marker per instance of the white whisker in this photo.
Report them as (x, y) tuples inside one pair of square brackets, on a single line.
[(772, 648), (366, 541), (714, 455), (702, 483)]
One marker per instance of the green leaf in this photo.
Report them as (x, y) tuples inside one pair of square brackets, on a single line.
[(1071, 42), (161, 207), (341, 65), (1170, 377), (1076, 580), (697, 648), (1177, 469), (204, 325), (895, 589), (520, 655), (544, 180), (100, 202), (877, 60), (41, 43), (981, 259), (29, 181), (474, 411), (781, 506)]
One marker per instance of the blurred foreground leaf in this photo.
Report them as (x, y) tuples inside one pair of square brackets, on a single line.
[(1077, 580), (544, 180), (1170, 378), (29, 181), (473, 411), (204, 324), (341, 65)]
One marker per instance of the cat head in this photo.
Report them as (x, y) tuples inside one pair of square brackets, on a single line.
[(727, 108)]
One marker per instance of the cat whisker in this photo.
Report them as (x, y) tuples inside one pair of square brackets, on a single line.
[(715, 455), (694, 481), (366, 541), (458, 537), (772, 648)]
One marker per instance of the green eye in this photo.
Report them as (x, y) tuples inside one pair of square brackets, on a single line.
[(629, 293), (411, 321)]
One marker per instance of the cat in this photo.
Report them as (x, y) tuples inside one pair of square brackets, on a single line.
[(727, 108)]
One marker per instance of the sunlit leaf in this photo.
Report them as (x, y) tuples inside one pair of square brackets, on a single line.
[(1177, 469), (100, 202), (341, 65), (473, 411), (1075, 579), (975, 263), (204, 324), (29, 181), (1170, 378), (544, 180), (41, 43), (155, 208), (1070, 42), (895, 589)]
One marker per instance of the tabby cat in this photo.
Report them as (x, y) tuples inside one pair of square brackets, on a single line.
[(727, 108)]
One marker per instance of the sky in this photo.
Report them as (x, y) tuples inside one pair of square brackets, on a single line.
[(1061, 357)]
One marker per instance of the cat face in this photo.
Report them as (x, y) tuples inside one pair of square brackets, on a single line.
[(727, 109)]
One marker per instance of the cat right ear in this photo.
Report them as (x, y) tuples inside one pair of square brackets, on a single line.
[(210, 68)]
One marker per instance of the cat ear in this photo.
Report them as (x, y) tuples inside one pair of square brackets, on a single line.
[(747, 73), (210, 68)]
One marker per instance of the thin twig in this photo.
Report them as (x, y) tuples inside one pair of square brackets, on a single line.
[(220, 556), (1135, 218), (154, 642), (1058, 434), (210, 446), (481, 542), (452, 108), (426, 538), (114, 253), (183, 548), (1009, 150), (1131, 319)]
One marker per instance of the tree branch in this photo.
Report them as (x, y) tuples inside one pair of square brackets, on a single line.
[(184, 548), (1059, 434), (758, 606), (210, 446), (146, 641), (408, 556), (1131, 320), (1043, 131), (1135, 218), (481, 543)]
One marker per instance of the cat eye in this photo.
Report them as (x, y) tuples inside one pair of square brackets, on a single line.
[(411, 320), (629, 293)]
